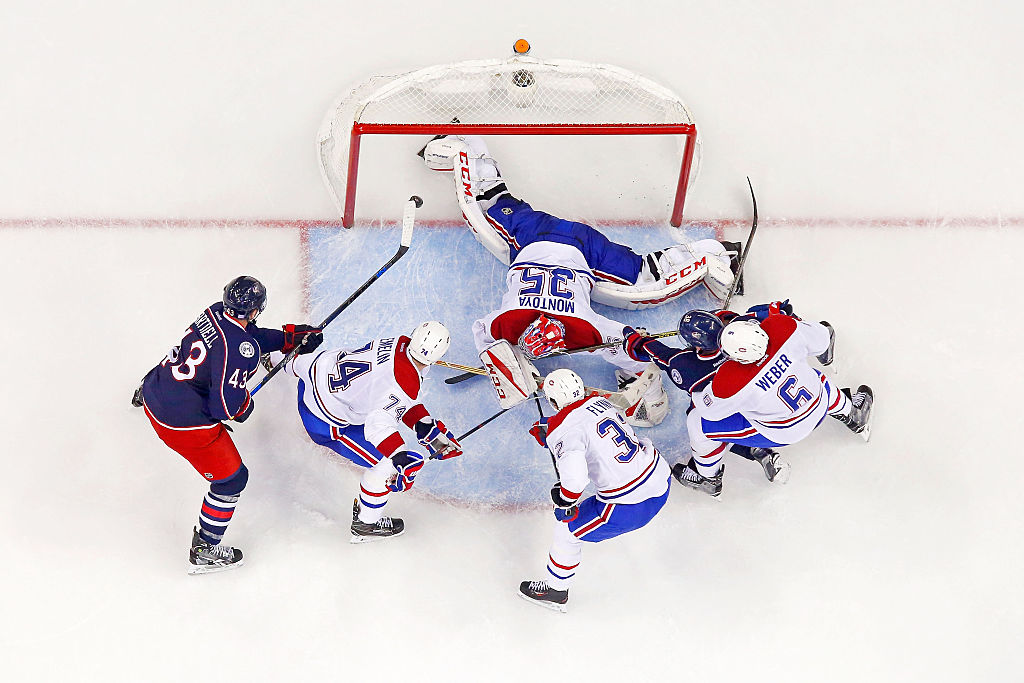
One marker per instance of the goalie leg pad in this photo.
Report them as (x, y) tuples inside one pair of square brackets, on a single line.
[(513, 377)]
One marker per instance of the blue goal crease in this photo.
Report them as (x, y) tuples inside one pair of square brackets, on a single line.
[(448, 276)]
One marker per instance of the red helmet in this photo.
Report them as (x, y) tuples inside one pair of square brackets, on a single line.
[(543, 337)]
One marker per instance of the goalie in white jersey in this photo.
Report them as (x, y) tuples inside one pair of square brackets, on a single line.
[(556, 266), (590, 441), (353, 401), (767, 395)]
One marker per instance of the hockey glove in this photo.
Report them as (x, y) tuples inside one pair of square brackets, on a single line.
[(305, 337), (438, 439), (406, 464), (244, 414), (633, 345), (565, 510), (539, 431), (762, 311)]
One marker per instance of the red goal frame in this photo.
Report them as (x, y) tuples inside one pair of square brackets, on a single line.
[(687, 130)]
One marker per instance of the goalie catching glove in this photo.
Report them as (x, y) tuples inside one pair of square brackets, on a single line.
[(438, 439)]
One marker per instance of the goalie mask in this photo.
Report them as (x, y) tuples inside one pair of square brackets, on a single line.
[(744, 341), (543, 337), (562, 387)]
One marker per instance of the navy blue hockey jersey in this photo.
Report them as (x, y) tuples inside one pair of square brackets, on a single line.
[(203, 380)]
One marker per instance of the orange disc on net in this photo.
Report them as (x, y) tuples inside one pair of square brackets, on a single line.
[(521, 46)]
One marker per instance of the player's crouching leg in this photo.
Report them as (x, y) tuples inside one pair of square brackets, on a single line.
[(390, 475)]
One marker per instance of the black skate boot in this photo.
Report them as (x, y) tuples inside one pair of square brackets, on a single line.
[(137, 397), (204, 558), (687, 475), (385, 527), (540, 593), (734, 262), (826, 357), (774, 467), (859, 419)]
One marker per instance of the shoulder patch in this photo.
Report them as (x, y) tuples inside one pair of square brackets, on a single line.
[(676, 377), (247, 349)]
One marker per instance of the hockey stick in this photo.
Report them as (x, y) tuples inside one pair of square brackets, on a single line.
[(746, 250), (725, 304), (408, 219)]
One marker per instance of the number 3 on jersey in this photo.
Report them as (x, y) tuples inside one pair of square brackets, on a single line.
[(609, 427)]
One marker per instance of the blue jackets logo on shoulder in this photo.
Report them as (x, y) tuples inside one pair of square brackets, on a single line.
[(246, 349)]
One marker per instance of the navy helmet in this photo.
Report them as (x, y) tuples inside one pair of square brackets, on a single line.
[(244, 296), (701, 329)]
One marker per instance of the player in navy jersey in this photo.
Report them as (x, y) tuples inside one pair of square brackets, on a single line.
[(200, 384), (693, 368), (766, 395)]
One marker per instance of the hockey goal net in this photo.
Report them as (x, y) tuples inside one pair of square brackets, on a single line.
[(520, 95)]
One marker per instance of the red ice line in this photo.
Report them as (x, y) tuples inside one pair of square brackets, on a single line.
[(715, 223)]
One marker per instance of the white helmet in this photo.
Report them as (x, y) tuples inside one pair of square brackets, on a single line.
[(562, 387), (744, 341), (429, 342)]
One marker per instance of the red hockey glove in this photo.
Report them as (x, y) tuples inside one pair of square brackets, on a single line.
[(305, 337), (633, 344), (539, 431)]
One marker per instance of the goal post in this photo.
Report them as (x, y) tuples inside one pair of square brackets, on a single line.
[(517, 96)]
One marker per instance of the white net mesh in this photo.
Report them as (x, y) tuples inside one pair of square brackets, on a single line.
[(519, 91)]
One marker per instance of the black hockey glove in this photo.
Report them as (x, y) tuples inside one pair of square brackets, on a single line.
[(305, 337), (565, 510)]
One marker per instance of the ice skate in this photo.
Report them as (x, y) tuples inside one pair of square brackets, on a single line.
[(826, 357), (540, 593), (385, 527), (204, 558), (137, 397), (688, 476), (859, 419), (775, 468)]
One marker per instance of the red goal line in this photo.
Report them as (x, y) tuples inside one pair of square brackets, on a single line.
[(714, 223)]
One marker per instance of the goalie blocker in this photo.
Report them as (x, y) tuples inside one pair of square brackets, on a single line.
[(642, 399)]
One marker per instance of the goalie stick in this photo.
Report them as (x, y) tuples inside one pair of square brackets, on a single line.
[(725, 303), (408, 220)]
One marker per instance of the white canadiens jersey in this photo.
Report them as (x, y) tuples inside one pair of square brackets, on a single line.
[(592, 442), (553, 279), (782, 397), (375, 385)]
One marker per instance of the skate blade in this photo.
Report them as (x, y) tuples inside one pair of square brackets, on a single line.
[(866, 432), (195, 570), (371, 539), (782, 475), (553, 606)]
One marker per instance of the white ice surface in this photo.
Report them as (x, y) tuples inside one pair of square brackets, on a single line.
[(895, 125)]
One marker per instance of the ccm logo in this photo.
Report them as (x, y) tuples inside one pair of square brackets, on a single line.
[(497, 384), (687, 270), (464, 172)]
